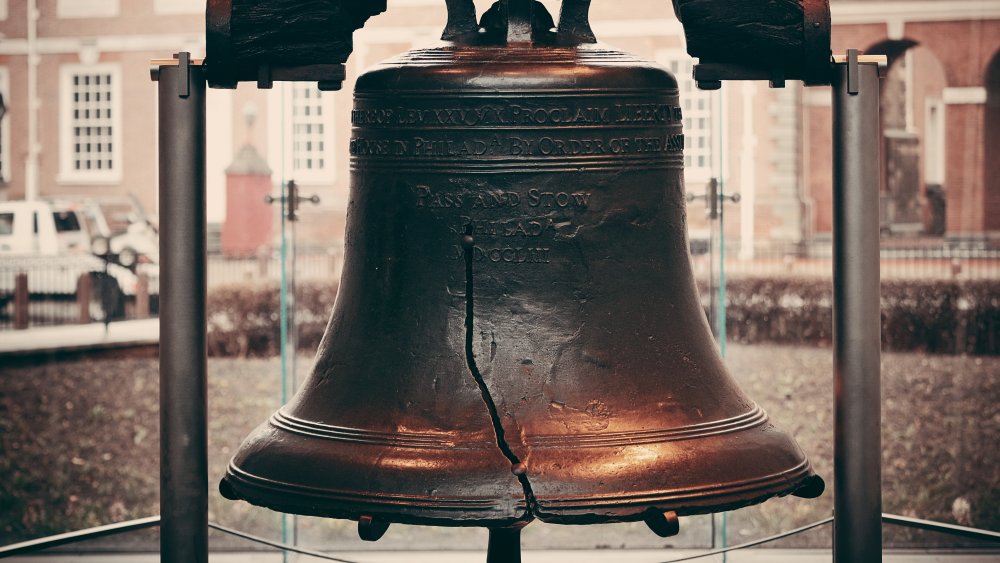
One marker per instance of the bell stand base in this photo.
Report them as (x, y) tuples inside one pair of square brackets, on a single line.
[(505, 543), (504, 546)]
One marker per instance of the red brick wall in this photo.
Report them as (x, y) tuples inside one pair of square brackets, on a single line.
[(964, 169), (964, 48), (818, 163), (249, 223), (950, 54)]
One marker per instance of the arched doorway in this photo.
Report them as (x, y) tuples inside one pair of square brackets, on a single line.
[(912, 126)]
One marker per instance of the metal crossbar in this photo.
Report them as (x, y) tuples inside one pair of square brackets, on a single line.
[(755, 542), (39, 544), (279, 545), (952, 529)]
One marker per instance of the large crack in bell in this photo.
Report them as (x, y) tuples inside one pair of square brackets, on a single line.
[(517, 467)]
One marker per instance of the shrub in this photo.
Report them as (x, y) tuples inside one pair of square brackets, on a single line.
[(245, 320), (934, 316)]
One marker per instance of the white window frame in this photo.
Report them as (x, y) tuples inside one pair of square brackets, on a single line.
[(935, 129), (67, 173), (166, 7), (3, 10), (77, 9), (699, 143), (5, 126), (282, 118)]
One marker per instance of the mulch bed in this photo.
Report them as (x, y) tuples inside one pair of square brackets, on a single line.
[(79, 447)]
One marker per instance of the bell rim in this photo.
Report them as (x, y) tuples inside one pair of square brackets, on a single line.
[(258, 491)]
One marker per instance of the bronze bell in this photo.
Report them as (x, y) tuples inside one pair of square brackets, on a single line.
[(518, 334)]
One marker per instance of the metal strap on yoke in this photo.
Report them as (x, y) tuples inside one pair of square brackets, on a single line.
[(518, 16)]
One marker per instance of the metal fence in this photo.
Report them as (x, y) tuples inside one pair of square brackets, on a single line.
[(56, 292), (778, 260), (45, 291), (308, 264)]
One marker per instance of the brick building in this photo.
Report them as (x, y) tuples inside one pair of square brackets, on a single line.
[(81, 110), (939, 113)]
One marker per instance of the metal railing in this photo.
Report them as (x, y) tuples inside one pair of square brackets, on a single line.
[(311, 264), (773, 259), (787, 259), (47, 291), (36, 545), (53, 292)]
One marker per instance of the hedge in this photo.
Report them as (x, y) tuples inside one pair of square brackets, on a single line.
[(245, 320), (934, 316)]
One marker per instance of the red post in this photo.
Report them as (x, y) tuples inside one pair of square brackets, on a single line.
[(21, 301), (83, 289), (142, 297), (263, 263), (249, 219)]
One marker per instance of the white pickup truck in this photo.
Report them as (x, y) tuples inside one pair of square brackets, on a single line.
[(50, 242)]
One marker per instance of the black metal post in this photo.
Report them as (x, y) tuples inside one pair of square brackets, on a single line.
[(183, 367), (856, 319), (504, 546)]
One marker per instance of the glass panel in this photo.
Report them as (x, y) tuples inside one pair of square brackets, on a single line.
[(78, 427)]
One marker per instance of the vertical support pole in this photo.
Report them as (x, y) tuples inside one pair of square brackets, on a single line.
[(183, 365), (856, 319), (504, 546)]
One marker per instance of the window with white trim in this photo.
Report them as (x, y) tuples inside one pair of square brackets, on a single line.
[(696, 106), (90, 112), (3, 10), (934, 142), (5, 127), (308, 132)]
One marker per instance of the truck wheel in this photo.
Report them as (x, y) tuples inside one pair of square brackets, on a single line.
[(107, 300)]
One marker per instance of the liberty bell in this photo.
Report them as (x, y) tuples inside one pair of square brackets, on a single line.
[(518, 334)]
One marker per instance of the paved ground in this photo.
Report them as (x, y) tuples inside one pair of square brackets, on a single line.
[(67, 338), (602, 556)]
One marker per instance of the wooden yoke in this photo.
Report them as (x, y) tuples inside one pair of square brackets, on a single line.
[(292, 40), (757, 40)]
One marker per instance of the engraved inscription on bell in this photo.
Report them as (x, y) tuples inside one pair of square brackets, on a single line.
[(516, 114)]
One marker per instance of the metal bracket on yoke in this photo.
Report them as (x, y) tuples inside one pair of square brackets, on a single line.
[(519, 20), (709, 76), (184, 89), (184, 78), (852, 59)]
